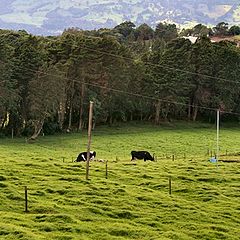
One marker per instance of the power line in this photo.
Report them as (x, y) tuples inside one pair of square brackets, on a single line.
[(155, 65), (130, 93), (156, 99), (163, 65), (148, 63), (135, 94)]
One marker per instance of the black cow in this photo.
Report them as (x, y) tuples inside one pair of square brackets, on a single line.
[(83, 156), (142, 155)]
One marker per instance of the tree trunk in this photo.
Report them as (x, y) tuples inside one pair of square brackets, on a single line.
[(131, 116), (110, 120), (38, 125), (71, 107), (3, 121), (80, 126), (61, 114), (24, 110), (70, 118), (94, 125), (189, 110), (195, 112), (157, 116), (166, 113)]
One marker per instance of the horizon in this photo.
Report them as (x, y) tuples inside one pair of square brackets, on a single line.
[(53, 17)]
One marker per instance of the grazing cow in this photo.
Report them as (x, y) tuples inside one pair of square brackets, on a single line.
[(142, 155), (83, 156)]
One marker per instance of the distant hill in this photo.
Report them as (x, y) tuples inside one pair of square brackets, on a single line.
[(51, 17)]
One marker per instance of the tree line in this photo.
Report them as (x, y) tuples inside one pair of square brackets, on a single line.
[(131, 73)]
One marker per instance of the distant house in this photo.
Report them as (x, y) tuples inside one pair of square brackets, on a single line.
[(216, 39), (191, 39), (226, 38)]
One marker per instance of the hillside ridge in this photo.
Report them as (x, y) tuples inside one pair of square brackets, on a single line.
[(52, 17)]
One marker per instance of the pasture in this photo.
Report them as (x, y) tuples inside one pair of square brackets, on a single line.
[(134, 201)]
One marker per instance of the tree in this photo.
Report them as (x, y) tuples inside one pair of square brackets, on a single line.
[(201, 30), (225, 94), (186, 32), (169, 84), (166, 31), (221, 29), (25, 62), (45, 98), (198, 30), (8, 93), (144, 32), (125, 28), (234, 30), (202, 61), (115, 74)]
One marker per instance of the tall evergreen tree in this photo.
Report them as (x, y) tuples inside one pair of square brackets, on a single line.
[(24, 66), (169, 80)]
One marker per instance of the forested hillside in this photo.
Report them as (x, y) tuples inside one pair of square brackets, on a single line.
[(130, 73)]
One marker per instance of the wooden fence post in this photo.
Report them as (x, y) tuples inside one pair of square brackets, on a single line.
[(26, 199), (106, 169), (170, 185)]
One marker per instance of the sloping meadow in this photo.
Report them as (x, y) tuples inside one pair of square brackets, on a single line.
[(180, 196)]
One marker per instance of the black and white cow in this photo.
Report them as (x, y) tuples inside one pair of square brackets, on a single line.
[(83, 156), (142, 155)]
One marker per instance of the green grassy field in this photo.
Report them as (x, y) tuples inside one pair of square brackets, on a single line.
[(134, 201)]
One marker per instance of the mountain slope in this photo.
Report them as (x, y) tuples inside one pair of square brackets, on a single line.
[(53, 16)]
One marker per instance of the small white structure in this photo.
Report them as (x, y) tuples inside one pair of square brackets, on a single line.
[(191, 38)]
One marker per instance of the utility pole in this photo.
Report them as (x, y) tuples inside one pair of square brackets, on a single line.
[(89, 138)]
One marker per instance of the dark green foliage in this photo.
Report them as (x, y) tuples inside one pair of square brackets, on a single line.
[(50, 127), (166, 31), (125, 28), (197, 31), (234, 30), (144, 32), (221, 29), (129, 72)]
